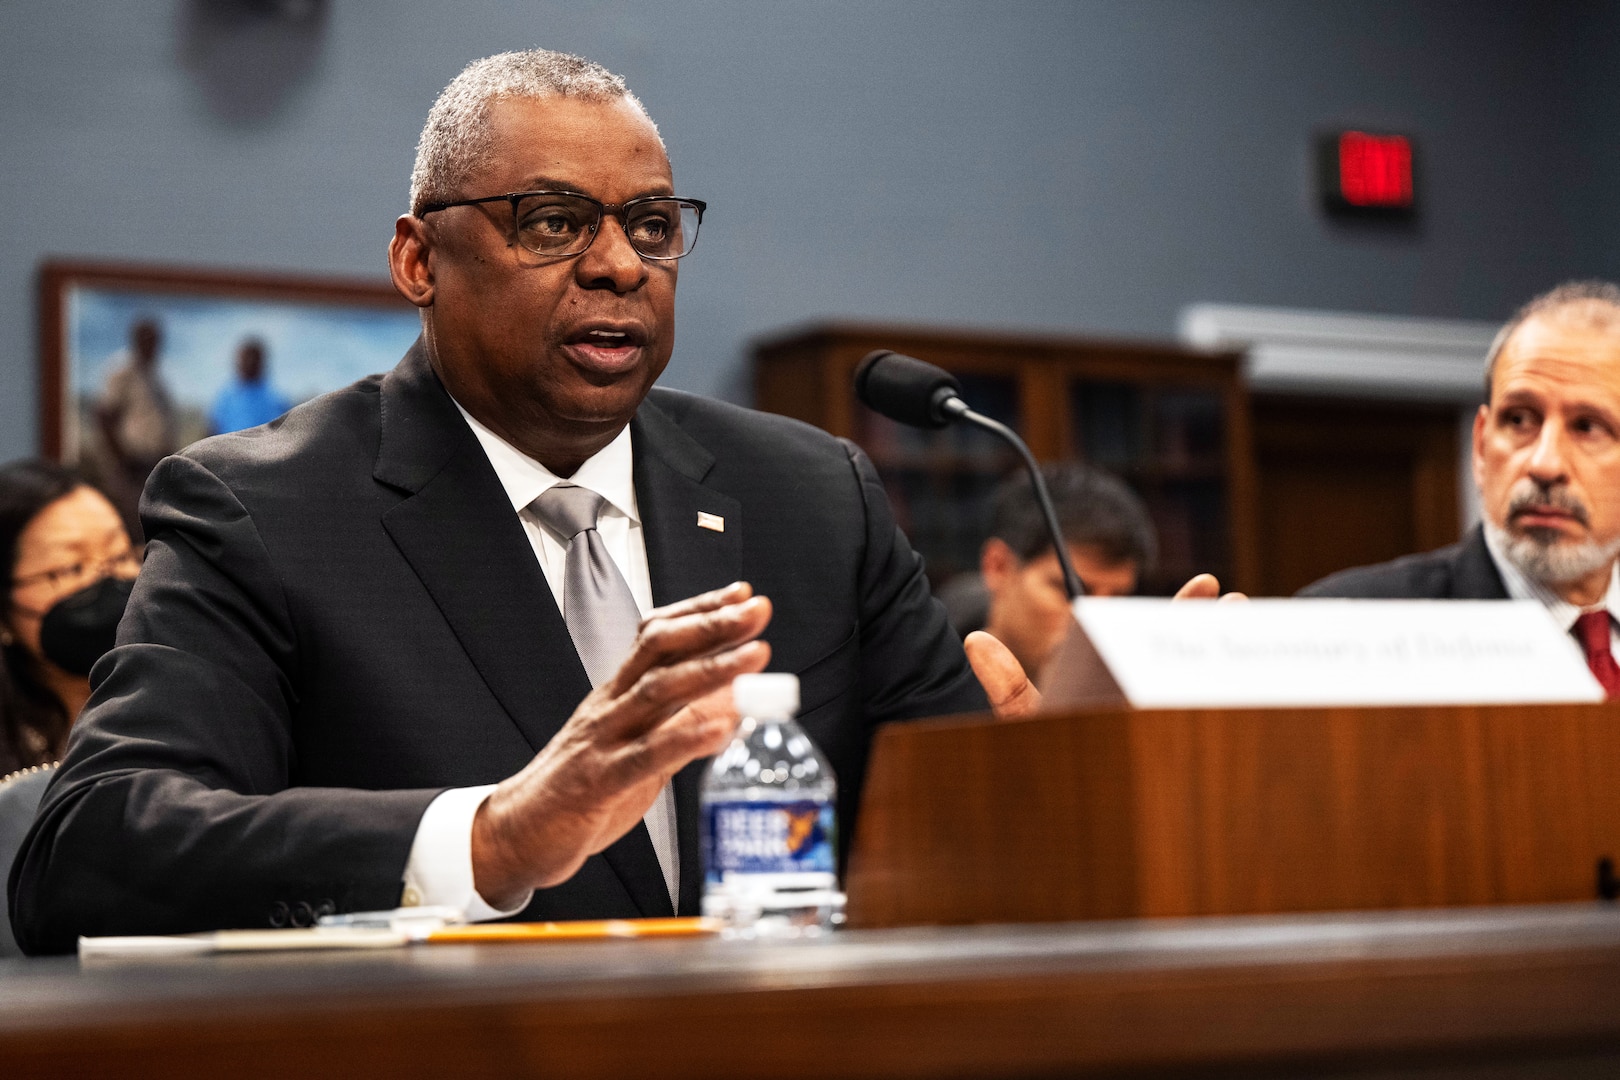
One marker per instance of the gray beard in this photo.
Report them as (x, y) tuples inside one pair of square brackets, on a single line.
[(1549, 561)]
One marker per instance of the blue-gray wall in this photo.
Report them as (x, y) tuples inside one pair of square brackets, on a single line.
[(1088, 166)]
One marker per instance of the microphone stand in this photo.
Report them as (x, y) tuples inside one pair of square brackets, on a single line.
[(957, 409)]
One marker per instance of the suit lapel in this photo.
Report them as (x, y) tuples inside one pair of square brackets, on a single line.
[(684, 559), (1475, 576), (458, 532)]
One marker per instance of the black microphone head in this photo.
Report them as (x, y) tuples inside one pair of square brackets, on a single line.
[(906, 389)]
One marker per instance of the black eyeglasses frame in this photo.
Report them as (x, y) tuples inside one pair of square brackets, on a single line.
[(603, 210)]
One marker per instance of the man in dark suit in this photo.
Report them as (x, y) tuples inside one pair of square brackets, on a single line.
[(1546, 458), (349, 677)]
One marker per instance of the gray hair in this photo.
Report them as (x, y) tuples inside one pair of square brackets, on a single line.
[(1599, 302), (455, 139)]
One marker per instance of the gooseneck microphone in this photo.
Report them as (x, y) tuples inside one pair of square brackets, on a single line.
[(918, 394)]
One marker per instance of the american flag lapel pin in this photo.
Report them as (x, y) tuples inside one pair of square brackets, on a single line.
[(713, 522)]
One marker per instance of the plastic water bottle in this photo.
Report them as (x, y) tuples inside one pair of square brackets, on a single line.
[(769, 821)]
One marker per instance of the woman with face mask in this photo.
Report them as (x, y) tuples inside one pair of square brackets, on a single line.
[(70, 568)]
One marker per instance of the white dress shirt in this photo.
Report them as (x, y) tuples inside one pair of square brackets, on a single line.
[(439, 870), (1564, 613)]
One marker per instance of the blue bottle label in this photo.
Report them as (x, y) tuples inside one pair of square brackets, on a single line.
[(768, 838)]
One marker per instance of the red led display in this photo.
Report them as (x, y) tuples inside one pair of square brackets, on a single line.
[(1375, 170)]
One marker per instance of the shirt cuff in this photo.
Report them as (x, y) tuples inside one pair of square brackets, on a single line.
[(440, 871)]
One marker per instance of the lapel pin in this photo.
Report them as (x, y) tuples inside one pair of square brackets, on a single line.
[(711, 521)]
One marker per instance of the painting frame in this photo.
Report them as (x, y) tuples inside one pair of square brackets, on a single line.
[(59, 278)]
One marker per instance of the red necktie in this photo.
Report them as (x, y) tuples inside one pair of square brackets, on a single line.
[(1592, 631)]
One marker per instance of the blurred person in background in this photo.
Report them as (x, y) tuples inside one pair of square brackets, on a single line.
[(69, 563), (137, 421), (1017, 596), (250, 400)]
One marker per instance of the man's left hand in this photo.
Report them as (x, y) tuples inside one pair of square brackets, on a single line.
[(1012, 695)]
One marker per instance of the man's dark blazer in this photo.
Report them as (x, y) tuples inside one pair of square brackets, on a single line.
[(340, 616), (1461, 571)]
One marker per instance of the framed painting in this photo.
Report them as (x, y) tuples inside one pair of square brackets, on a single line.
[(137, 362)]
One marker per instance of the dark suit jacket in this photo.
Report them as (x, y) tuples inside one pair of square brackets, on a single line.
[(340, 616), (1461, 571), (19, 798)]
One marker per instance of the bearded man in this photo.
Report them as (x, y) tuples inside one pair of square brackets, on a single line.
[(1546, 458)]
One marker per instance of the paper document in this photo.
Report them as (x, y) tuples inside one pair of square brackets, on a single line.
[(372, 937), (227, 941)]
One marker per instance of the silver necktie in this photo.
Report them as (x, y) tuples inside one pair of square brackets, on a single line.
[(602, 619)]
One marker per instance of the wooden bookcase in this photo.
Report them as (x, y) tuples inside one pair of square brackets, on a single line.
[(1350, 481), (1173, 422)]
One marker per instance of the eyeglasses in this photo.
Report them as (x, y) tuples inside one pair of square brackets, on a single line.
[(562, 223), (83, 572)]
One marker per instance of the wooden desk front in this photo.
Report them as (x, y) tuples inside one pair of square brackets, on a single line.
[(1522, 992), (1118, 814)]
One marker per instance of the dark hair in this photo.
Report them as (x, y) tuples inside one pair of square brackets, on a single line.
[(1093, 507), (1570, 293), (27, 705)]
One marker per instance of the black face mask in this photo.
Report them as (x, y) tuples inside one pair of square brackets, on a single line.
[(79, 629)]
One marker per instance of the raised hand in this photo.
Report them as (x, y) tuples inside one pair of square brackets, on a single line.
[(1008, 686), (1005, 682), (1205, 587), (668, 704)]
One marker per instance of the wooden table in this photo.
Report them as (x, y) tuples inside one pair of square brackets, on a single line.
[(1531, 991)]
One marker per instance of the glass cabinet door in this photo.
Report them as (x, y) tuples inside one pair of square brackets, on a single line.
[(940, 482), (1169, 443)]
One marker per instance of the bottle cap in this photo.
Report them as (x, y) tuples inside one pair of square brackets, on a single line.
[(766, 697)]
